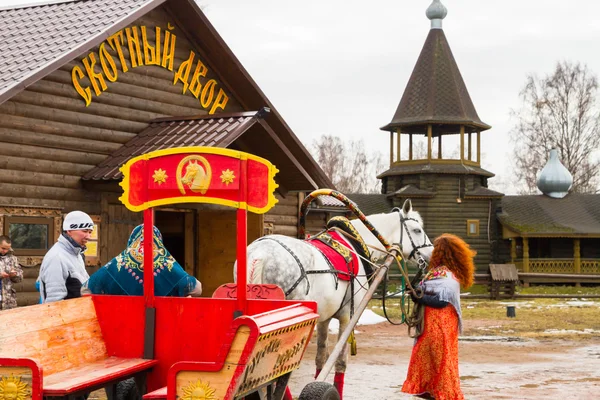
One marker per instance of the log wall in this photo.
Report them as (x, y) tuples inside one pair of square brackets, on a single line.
[(283, 218), (443, 214)]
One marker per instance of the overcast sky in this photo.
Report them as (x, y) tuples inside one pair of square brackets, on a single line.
[(340, 66)]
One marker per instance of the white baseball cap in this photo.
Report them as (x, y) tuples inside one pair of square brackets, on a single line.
[(77, 221)]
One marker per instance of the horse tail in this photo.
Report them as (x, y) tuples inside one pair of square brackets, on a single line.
[(255, 270)]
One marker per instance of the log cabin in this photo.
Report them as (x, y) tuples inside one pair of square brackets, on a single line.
[(86, 85)]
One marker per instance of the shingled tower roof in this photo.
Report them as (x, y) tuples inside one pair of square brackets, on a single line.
[(436, 93)]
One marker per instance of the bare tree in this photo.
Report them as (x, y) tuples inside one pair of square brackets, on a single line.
[(559, 111), (348, 165)]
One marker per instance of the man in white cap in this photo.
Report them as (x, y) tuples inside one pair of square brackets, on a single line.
[(63, 268)]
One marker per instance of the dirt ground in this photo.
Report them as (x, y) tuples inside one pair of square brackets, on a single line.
[(490, 367)]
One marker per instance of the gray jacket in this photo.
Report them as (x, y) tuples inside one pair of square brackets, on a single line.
[(61, 261)]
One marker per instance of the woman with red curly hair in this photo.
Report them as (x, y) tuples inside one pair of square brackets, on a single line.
[(433, 368)]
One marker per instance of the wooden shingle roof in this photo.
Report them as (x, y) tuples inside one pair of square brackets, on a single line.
[(35, 40), (410, 191), (576, 215), (436, 94), (164, 133), (372, 203), (425, 167)]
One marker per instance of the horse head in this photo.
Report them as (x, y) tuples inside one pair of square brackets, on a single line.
[(402, 226), (412, 237), (194, 176)]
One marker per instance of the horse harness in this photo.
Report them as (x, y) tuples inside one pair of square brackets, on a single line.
[(420, 260), (303, 272)]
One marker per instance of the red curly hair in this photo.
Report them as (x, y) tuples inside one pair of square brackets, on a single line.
[(456, 255)]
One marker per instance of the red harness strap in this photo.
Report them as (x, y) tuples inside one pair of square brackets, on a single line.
[(346, 269)]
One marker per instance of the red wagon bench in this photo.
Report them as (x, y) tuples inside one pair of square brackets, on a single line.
[(59, 350)]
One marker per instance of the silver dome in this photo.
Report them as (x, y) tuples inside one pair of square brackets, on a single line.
[(555, 180), (436, 12)]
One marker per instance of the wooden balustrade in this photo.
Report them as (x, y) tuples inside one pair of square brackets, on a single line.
[(560, 265)]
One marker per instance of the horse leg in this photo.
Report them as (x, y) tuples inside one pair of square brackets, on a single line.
[(340, 363), (322, 351)]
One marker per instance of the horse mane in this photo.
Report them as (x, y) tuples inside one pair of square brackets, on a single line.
[(361, 248)]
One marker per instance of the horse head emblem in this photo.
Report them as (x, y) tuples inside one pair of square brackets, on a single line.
[(197, 174)]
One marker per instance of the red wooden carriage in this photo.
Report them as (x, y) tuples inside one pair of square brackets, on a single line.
[(237, 344)]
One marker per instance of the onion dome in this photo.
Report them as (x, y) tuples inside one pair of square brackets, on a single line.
[(555, 180), (436, 12)]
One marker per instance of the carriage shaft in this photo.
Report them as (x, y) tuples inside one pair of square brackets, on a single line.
[(339, 346)]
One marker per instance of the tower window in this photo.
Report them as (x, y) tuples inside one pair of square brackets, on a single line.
[(472, 227)]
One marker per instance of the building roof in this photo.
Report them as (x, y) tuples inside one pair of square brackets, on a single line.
[(372, 203), (436, 94), (480, 192), (434, 168), (219, 130), (411, 191), (165, 133), (576, 215), (36, 40)]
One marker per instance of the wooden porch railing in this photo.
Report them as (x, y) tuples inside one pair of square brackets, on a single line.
[(560, 265)]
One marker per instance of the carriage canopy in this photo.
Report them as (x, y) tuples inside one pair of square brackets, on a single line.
[(199, 175)]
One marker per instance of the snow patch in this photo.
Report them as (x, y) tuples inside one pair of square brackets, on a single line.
[(368, 317)]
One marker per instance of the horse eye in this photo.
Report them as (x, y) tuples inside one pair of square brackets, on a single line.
[(418, 231)]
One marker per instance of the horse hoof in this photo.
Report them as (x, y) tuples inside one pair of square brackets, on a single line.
[(319, 391)]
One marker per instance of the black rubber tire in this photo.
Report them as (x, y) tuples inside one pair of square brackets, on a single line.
[(127, 390), (319, 391)]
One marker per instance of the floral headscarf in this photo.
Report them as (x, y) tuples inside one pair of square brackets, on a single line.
[(124, 274)]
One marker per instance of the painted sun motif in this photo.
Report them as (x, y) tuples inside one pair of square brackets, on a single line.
[(160, 176), (227, 176), (198, 391), (11, 388)]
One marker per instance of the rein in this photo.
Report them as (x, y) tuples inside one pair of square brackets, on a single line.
[(413, 317)]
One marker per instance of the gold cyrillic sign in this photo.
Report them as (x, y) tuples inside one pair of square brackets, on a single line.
[(106, 64)]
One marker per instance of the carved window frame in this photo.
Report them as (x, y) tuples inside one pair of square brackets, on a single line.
[(53, 214), (470, 223), (30, 220)]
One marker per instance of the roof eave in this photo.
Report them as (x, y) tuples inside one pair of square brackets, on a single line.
[(392, 126)]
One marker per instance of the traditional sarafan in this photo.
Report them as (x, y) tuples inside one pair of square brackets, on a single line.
[(433, 368)]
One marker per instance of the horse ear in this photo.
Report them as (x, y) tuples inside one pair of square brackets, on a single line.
[(407, 207)]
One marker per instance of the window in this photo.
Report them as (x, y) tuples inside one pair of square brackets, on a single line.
[(31, 236), (472, 227)]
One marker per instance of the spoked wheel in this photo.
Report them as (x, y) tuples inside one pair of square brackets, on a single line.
[(319, 391)]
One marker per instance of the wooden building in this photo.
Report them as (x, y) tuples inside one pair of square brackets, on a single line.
[(450, 192), (552, 236), (86, 85)]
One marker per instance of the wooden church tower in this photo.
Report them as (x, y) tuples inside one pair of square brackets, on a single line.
[(450, 192)]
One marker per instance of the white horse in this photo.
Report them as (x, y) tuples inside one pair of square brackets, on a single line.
[(288, 262)]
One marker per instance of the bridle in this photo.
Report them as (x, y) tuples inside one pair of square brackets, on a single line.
[(415, 249)]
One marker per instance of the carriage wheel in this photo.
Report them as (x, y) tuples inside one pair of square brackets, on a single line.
[(319, 391)]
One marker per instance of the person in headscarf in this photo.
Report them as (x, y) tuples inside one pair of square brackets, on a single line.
[(124, 274), (433, 369)]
